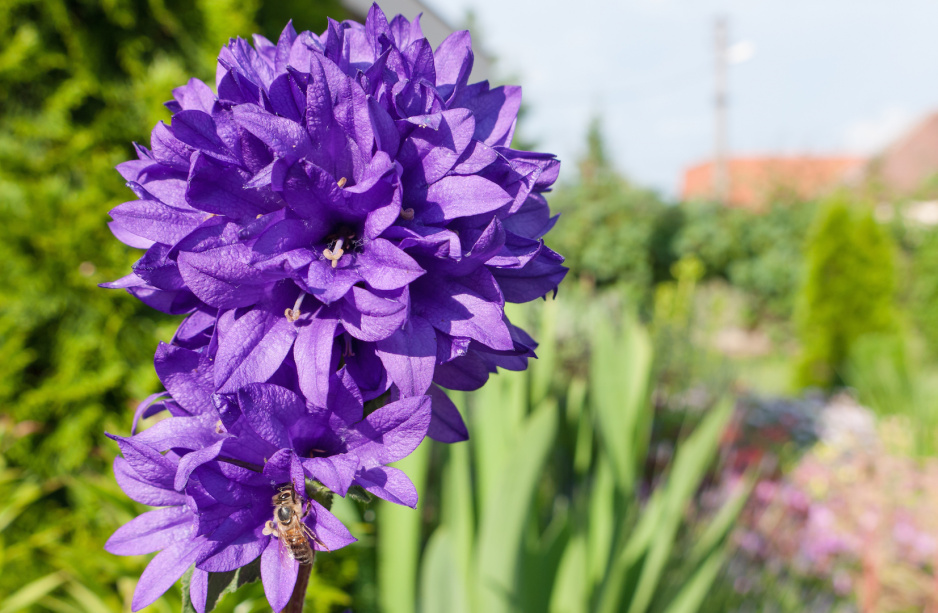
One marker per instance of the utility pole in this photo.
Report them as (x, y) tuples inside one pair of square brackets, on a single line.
[(720, 173)]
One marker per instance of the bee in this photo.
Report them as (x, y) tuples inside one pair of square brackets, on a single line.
[(288, 525)]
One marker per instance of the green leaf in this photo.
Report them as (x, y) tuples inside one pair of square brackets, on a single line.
[(442, 584), (620, 368), (722, 523), (358, 494), (220, 584), (601, 521), (30, 593), (399, 540), (498, 413), (504, 515), (85, 597), (692, 460), (570, 591), (458, 510), (689, 599), (319, 492)]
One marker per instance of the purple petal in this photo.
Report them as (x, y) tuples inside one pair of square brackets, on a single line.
[(195, 95), (453, 60), (386, 134), (223, 277), (151, 531), (288, 139), (253, 349), (429, 153), (147, 462), (535, 280), (457, 196), (219, 189), (178, 433), (285, 466), (532, 220), (366, 369), (128, 238), (164, 570), (327, 528), (236, 542), (469, 306), (198, 589), (191, 461), (419, 54), (271, 410), (409, 356), (391, 432), (477, 156), (345, 399), (330, 284), (465, 373), (278, 574), (335, 472), (187, 376), (143, 491), (155, 221), (147, 408), (314, 358), (446, 424), (370, 317), (495, 111), (197, 129), (385, 267), (388, 483)]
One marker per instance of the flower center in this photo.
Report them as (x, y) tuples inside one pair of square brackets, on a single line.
[(293, 314), (339, 244)]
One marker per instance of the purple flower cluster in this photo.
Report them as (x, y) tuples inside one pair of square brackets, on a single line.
[(343, 222)]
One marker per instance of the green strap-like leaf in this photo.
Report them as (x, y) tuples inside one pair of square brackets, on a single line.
[(399, 541), (220, 584), (504, 515), (27, 596)]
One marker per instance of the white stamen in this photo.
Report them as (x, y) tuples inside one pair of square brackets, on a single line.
[(335, 254), (341, 182), (294, 313)]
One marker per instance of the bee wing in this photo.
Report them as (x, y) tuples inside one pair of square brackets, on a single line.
[(286, 559)]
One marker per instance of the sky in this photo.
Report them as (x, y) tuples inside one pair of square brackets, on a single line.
[(825, 77)]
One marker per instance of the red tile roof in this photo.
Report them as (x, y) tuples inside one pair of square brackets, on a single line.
[(905, 165), (754, 181)]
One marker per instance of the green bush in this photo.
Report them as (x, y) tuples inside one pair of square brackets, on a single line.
[(924, 290), (612, 232), (848, 289)]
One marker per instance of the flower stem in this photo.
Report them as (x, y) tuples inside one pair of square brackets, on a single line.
[(299, 590)]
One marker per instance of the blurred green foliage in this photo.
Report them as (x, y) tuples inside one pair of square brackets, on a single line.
[(615, 234), (924, 290), (560, 501), (848, 290), (612, 233)]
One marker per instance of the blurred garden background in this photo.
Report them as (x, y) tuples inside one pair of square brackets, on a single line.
[(733, 407)]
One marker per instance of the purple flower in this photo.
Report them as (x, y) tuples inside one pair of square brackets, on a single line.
[(216, 522), (345, 200), (215, 463), (264, 422)]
